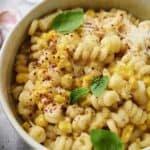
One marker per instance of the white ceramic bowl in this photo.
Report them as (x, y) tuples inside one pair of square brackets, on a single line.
[(139, 8)]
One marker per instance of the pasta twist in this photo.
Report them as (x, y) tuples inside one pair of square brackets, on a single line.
[(16, 91), (37, 133), (100, 119), (139, 63), (121, 117), (74, 110), (136, 114), (26, 104), (109, 45), (53, 113), (81, 122), (63, 143), (140, 93), (83, 142), (52, 132), (146, 141), (112, 126), (120, 85), (107, 99), (134, 146)]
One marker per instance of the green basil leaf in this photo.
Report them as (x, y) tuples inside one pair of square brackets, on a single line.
[(98, 85), (105, 140), (77, 94), (68, 21)]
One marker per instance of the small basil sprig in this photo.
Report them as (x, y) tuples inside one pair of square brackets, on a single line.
[(98, 85), (77, 94), (68, 21), (105, 140)]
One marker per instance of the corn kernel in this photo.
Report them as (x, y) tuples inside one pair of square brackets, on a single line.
[(75, 135), (148, 106), (142, 127), (133, 82), (78, 82), (65, 126), (86, 101), (40, 88), (21, 69), (126, 133), (146, 80), (46, 36), (125, 71), (40, 106), (59, 99), (26, 126), (45, 65), (61, 46), (138, 77), (86, 80), (148, 91), (42, 43), (66, 81), (63, 64), (40, 120), (91, 13), (22, 78), (66, 93), (148, 119)]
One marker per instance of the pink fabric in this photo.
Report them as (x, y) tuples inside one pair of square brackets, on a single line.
[(10, 13)]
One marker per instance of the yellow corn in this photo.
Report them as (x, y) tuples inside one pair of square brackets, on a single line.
[(26, 126), (148, 106), (65, 126), (86, 101), (66, 81), (45, 64), (75, 135), (42, 43), (49, 35), (66, 93), (142, 127), (62, 46), (21, 69), (40, 88), (148, 91), (125, 71), (86, 80), (138, 77), (22, 78), (41, 73), (133, 82), (59, 99), (91, 13), (40, 120), (61, 54), (78, 82), (40, 106), (148, 119), (146, 80), (126, 133), (64, 64)]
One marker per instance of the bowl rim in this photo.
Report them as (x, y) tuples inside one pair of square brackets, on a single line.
[(7, 111)]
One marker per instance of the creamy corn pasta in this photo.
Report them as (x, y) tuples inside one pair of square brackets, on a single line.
[(83, 73)]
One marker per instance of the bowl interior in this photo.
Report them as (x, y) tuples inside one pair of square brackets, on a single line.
[(138, 8)]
